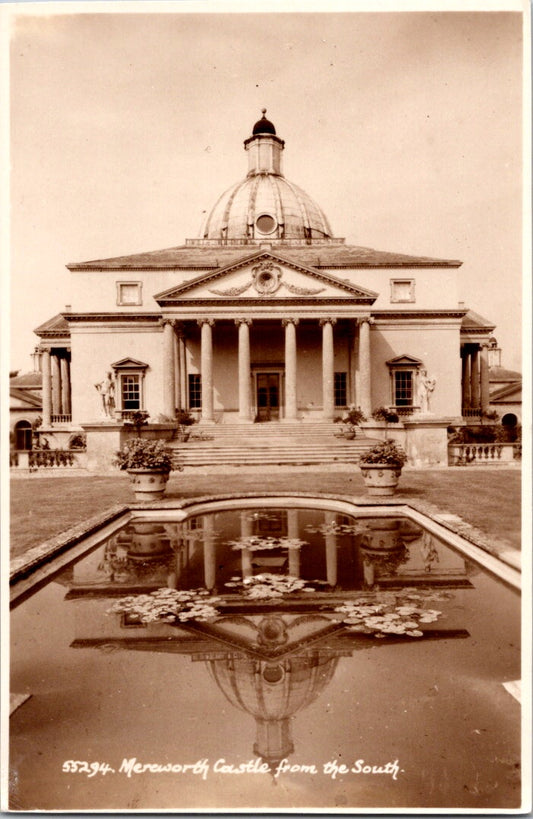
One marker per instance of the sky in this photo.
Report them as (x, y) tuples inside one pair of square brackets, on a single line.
[(406, 128)]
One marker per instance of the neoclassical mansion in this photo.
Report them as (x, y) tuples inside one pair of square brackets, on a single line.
[(267, 316)]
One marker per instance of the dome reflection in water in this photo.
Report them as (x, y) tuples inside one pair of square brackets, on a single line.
[(310, 640)]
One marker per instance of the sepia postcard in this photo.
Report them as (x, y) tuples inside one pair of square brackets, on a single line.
[(262, 391)]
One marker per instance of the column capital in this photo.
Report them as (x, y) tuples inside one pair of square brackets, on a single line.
[(202, 321), (239, 321), (287, 321), (323, 321), (164, 321), (366, 320)]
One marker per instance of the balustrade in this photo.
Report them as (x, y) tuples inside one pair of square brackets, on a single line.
[(481, 453), (405, 411), (471, 412)]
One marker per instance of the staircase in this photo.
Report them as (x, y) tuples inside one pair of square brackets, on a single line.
[(268, 444)]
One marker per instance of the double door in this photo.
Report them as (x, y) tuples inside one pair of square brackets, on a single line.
[(268, 396)]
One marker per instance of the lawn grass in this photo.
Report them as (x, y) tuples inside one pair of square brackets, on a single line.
[(488, 499)]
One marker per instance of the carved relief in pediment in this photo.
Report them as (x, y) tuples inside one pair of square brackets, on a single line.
[(266, 281)]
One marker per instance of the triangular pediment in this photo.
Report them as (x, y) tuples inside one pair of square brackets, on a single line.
[(265, 276), (129, 364), (404, 360)]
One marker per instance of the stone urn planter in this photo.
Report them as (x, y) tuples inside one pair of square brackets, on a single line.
[(381, 468), (148, 463), (148, 484)]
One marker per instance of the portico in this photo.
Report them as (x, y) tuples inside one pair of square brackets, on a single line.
[(475, 334), (249, 379)]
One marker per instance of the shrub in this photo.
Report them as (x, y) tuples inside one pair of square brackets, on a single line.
[(141, 453), (137, 419), (385, 414), (353, 416), (384, 452), (184, 418), (78, 441)]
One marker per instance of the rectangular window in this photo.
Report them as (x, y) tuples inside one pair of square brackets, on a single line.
[(195, 391), (403, 388), (129, 293), (402, 290), (131, 392), (340, 389)]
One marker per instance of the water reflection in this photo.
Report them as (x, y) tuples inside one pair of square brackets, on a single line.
[(208, 551), (270, 658)]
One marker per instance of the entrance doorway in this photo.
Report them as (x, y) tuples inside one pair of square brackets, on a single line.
[(268, 396)]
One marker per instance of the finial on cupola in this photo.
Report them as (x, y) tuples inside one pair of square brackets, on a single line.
[(263, 126)]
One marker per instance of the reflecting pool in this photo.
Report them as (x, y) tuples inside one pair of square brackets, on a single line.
[(265, 657)]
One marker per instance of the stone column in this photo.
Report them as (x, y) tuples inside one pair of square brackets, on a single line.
[(246, 554), (293, 532), (290, 369), (56, 386), (210, 561), (47, 388), (182, 369), (65, 385), (365, 367), (474, 379), (330, 519), (484, 377), (245, 395), (465, 379), (355, 390), (169, 408), (328, 368), (206, 363), (177, 373)]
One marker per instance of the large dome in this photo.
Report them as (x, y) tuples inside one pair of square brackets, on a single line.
[(265, 205)]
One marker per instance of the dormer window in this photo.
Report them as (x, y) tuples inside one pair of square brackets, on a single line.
[(129, 294)]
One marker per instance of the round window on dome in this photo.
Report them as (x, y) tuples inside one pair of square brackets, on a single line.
[(265, 223)]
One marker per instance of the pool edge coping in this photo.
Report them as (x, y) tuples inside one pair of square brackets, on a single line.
[(34, 557)]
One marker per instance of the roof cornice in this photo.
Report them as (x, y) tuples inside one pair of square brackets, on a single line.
[(414, 314), (77, 317)]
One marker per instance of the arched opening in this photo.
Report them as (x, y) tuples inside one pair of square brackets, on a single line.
[(509, 420), (23, 435), (511, 427)]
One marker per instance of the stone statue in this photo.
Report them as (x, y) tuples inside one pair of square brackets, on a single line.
[(426, 386), (106, 388)]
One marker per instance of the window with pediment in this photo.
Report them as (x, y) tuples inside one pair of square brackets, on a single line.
[(403, 372), (129, 378)]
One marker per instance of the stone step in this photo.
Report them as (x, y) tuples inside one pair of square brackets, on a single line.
[(271, 434), (276, 443), (265, 429), (270, 452), (264, 459)]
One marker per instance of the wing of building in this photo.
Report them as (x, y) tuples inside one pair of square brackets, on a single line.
[(267, 316)]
